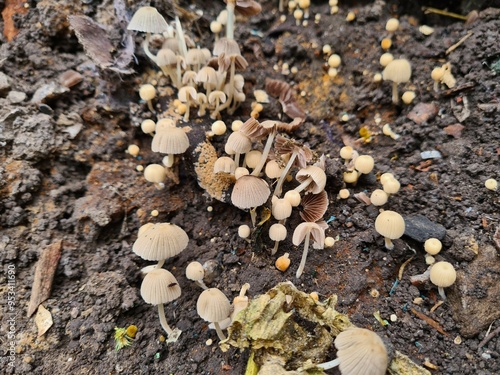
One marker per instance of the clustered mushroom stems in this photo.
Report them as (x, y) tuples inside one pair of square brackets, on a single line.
[(265, 151), (281, 180)]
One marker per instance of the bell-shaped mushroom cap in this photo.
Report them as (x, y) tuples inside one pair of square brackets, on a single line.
[(187, 92), (228, 47), (443, 274), (314, 206), (195, 271), (398, 71), (432, 246), (166, 57), (390, 224), (277, 232), (217, 95), (208, 75), (196, 56), (148, 20), (171, 140), (213, 305), (159, 286), (281, 208), (273, 169), (316, 231), (239, 143), (162, 241), (249, 192), (361, 352), (224, 164), (318, 178)]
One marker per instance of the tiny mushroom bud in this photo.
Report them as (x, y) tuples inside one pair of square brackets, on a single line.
[(277, 233), (437, 75), (281, 208), (148, 126), (334, 61), (240, 302), (224, 164), (364, 164), (386, 43), (169, 140), (392, 24), (391, 225), (273, 169), (252, 158), (408, 97), (283, 262), (386, 130), (386, 177), (433, 246), (329, 241), (147, 93), (344, 193), (156, 174), (293, 197), (218, 127), (378, 197), (196, 272), (443, 275), (214, 307), (391, 186), (298, 14), (133, 150), (244, 231), (386, 58), (351, 16)]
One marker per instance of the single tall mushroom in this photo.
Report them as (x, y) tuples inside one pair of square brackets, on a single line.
[(214, 307), (186, 95), (159, 287), (303, 232), (391, 225), (397, 71)]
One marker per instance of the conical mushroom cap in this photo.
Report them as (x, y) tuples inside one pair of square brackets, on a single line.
[(390, 224), (148, 20), (161, 241), (249, 192), (213, 305), (361, 352), (170, 141), (159, 286)]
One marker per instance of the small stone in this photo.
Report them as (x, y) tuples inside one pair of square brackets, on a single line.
[(4, 84), (421, 228), (48, 92), (454, 130), (16, 97), (423, 112)]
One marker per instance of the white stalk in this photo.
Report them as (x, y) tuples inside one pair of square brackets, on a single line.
[(304, 255), (281, 180), (219, 331), (163, 320), (304, 184), (265, 152)]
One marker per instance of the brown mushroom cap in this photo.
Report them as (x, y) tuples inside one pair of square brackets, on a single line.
[(213, 305), (390, 224), (443, 274), (159, 286), (250, 191), (161, 241), (148, 20), (398, 71), (361, 352), (314, 206)]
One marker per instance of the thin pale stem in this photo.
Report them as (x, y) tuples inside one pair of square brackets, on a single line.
[(281, 180), (219, 331), (388, 243), (201, 284), (265, 152), (230, 20), (441, 293), (145, 46), (329, 365), (304, 256), (180, 37), (160, 263), (395, 95), (304, 184), (163, 320)]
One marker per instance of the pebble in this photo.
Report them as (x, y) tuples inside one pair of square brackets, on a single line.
[(4, 83), (420, 228), (16, 97)]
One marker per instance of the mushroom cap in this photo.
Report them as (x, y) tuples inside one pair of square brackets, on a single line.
[(273, 169), (432, 246), (277, 232), (217, 95), (249, 191), (195, 271), (443, 274), (148, 20), (196, 56), (398, 71), (360, 352), (239, 143), (364, 164), (155, 173), (314, 206), (161, 241), (213, 305), (281, 208), (159, 286), (318, 175), (147, 92), (224, 164), (166, 57), (187, 92), (228, 47), (316, 231), (391, 186), (171, 140), (378, 197), (293, 197), (390, 224)]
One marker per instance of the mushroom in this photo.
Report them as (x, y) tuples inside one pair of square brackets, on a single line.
[(391, 225), (244, 231), (156, 174), (224, 164), (359, 352), (147, 93), (169, 140), (167, 60), (277, 233), (196, 272), (240, 302), (159, 287), (281, 208), (273, 169), (432, 246), (378, 197), (386, 58), (312, 178), (186, 95), (283, 262), (216, 98), (250, 192), (202, 101), (364, 164), (196, 58), (148, 126), (398, 71), (392, 24), (314, 206), (214, 307), (303, 232), (148, 20), (237, 143), (160, 242), (293, 197), (252, 159), (208, 77), (443, 275)]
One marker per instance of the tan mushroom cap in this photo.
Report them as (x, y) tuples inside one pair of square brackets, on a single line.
[(239, 143), (169, 140), (379, 197), (318, 178), (162, 241), (360, 352), (364, 164), (443, 274), (229, 47), (281, 208), (390, 224), (433, 246), (148, 20), (213, 305), (159, 286), (195, 271), (398, 71), (316, 231), (277, 232), (224, 164), (155, 173), (250, 191), (166, 57)]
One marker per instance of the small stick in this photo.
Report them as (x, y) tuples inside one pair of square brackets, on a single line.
[(489, 337), (430, 321), (457, 44), (428, 10)]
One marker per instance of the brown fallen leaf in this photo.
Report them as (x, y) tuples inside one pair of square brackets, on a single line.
[(43, 320), (12, 8), (44, 275), (454, 130), (430, 322), (423, 112)]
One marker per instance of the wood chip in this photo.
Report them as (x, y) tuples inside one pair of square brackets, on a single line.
[(454, 130), (43, 320), (430, 322), (402, 268), (44, 275)]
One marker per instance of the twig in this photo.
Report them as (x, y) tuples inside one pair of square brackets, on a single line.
[(489, 337), (428, 10), (430, 321), (402, 268), (457, 44)]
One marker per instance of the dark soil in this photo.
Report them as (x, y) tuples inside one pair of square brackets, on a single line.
[(66, 177)]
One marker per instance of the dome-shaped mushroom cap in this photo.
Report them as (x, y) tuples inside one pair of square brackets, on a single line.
[(316, 231), (148, 20), (166, 57), (250, 191), (172, 140), (195, 271), (318, 176), (213, 305), (159, 286), (364, 164), (390, 224), (277, 232), (361, 352), (239, 143), (281, 209), (443, 274), (398, 71), (229, 47), (162, 241)]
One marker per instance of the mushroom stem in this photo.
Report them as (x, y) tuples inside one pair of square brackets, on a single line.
[(170, 72), (230, 19), (219, 331), (265, 152), (160, 263), (145, 46), (188, 104), (304, 184), (168, 160), (163, 320), (180, 37), (388, 243), (436, 86), (304, 255), (329, 365), (275, 248), (237, 159), (201, 284), (244, 289), (215, 114), (395, 96), (253, 215), (441, 293), (281, 180)]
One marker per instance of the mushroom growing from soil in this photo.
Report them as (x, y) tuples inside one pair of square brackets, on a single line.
[(391, 225), (283, 262), (196, 272), (240, 302), (159, 287), (214, 307), (359, 352), (186, 95), (147, 93), (443, 275), (397, 71), (303, 232), (277, 233), (432, 246), (156, 174), (250, 192), (169, 140), (160, 242)]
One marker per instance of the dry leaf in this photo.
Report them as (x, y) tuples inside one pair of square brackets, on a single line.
[(43, 320), (423, 112)]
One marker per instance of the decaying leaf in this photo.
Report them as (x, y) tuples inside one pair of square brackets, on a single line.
[(43, 320), (44, 275), (284, 93)]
